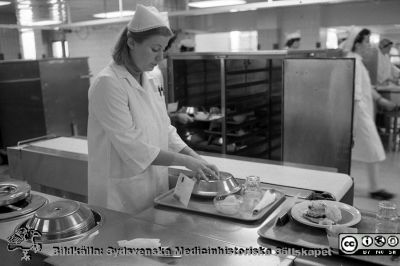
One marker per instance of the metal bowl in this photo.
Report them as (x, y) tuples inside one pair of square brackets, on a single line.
[(61, 220), (12, 191), (227, 184)]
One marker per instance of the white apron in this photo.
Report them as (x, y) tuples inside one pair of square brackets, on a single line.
[(128, 125), (367, 143)]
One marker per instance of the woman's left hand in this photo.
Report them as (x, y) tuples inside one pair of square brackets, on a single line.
[(386, 104)]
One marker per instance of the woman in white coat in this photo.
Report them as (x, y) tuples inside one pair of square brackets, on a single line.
[(130, 138), (368, 147)]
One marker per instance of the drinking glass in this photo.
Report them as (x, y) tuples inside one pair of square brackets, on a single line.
[(387, 219), (251, 192)]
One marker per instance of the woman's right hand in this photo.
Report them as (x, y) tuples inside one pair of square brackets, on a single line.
[(201, 168)]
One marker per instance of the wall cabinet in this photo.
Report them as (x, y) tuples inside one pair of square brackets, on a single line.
[(43, 97)]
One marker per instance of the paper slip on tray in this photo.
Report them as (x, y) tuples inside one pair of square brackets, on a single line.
[(297, 234), (206, 206)]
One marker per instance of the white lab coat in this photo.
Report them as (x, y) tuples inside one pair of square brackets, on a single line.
[(128, 125), (368, 145)]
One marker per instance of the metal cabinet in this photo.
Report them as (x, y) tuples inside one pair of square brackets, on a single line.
[(43, 97), (274, 105), (245, 87)]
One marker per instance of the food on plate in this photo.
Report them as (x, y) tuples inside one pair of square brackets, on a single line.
[(320, 213), (201, 116), (228, 204), (316, 209)]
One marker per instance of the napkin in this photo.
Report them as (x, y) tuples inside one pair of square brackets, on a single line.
[(140, 243), (266, 200)]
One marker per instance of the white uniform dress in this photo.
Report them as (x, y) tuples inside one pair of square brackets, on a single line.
[(128, 125), (386, 69), (368, 145)]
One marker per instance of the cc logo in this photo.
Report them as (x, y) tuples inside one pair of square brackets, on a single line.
[(367, 241), (392, 241), (380, 241), (348, 244)]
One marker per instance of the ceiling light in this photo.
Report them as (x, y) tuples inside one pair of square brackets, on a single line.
[(4, 3), (215, 3), (115, 14)]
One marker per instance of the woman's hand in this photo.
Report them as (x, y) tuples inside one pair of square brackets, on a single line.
[(386, 104), (201, 168)]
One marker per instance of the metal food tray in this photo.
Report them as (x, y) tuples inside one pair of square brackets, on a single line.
[(206, 206), (297, 234)]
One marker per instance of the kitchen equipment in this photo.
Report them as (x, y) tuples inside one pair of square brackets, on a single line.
[(206, 206), (226, 184), (16, 200), (66, 156), (350, 215), (43, 97), (12, 191), (63, 220)]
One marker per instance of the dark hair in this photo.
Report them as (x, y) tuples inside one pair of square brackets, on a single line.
[(170, 42), (121, 50), (360, 38), (291, 41)]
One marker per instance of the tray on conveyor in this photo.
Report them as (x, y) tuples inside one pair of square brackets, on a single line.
[(206, 206), (300, 235)]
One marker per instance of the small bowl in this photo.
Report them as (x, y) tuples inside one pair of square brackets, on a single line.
[(227, 184), (62, 219), (228, 204), (239, 118)]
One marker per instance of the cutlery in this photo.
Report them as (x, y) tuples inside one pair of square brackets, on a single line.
[(284, 216)]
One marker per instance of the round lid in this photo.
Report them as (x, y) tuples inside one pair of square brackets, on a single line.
[(12, 191), (58, 209), (222, 176)]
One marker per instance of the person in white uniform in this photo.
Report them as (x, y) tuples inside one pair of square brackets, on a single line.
[(387, 72), (130, 138), (368, 147)]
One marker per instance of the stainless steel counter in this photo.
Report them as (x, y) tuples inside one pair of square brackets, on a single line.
[(121, 226), (174, 228)]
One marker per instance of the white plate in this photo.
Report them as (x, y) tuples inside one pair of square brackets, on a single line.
[(350, 215)]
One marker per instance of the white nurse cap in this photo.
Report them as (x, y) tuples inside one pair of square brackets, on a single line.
[(293, 35), (147, 18), (348, 44)]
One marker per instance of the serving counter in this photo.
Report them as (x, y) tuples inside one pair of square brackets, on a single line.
[(58, 166), (179, 227), (198, 234)]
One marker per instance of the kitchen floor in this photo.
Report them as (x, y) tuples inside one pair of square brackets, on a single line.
[(389, 179)]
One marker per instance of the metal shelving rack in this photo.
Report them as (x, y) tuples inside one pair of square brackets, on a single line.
[(238, 84)]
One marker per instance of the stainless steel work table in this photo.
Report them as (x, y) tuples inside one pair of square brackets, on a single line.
[(121, 226)]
